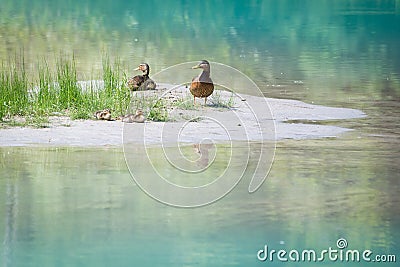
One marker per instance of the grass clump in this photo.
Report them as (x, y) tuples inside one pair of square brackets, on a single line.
[(219, 102), (158, 112), (14, 98), (216, 100), (70, 93), (185, 103), (56, 91), (47, 96), (116, 94), (153, 105)]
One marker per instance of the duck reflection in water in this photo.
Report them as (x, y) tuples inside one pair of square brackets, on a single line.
[(203, 152)]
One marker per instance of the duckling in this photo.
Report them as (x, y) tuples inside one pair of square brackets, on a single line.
[(202, 85), (148, 84), (135, 82), (138, 117), (104, 114), (142, 82)]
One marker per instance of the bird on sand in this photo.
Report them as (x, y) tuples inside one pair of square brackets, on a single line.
[(142, 82), (138, 117), (104, 114), (202, 86)]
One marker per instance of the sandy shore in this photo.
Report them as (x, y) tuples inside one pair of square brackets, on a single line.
[(249, 118)]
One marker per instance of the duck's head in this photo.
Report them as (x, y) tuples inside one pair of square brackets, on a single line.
[(204, 64), (144, 67), (139, 112)]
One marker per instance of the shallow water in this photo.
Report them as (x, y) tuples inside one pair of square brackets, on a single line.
[(80, 206)]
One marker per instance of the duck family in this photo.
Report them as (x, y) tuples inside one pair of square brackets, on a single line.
[(105, 115), (201, 86)]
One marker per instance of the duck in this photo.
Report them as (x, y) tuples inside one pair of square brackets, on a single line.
[(142, 82), (104, 114), (202, 86), (138, 117)]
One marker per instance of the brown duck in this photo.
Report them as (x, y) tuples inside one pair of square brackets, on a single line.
[(142, 82), (202, 86), (138, 117), (104, 114)]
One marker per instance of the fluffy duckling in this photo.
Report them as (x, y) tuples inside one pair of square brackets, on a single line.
[(138, 117), (202, 86), (148, 84), (104, 114), (142, 82)]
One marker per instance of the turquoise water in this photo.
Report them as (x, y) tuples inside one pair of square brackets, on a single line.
[(80, 207), (73, 207), (309, 48), (69, 207)]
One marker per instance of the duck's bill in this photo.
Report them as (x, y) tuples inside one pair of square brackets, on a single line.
[(196, 67), (137, 68)]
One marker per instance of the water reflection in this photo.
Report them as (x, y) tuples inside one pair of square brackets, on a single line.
[(328, 46), (85, 204), (202, 152)]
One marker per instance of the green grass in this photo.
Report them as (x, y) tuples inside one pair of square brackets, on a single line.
[(14, 98), (158, 111), (70, 94), (154, 106), (55, 90), (116, 94), (217, 100), (46, 96), (186, 103)]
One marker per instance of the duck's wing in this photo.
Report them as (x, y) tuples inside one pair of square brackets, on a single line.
[(135, 82), (149, 84)]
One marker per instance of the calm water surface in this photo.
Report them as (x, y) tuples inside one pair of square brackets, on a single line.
[(70, 207), (74, 206)]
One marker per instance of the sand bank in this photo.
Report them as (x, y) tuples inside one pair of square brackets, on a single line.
[(249, 118)]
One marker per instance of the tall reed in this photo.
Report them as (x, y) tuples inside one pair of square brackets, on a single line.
[(13, 88), (56, 90), (47, 97), (70, 93), (115, 91)]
